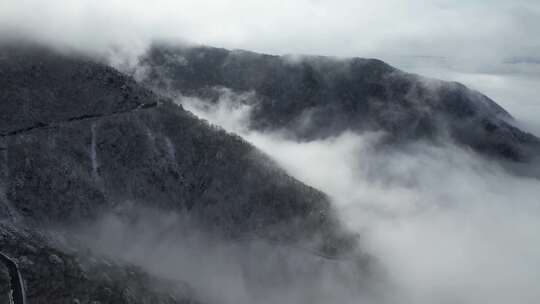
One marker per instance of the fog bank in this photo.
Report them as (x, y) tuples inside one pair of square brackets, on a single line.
[(448, 225), (213, 270)]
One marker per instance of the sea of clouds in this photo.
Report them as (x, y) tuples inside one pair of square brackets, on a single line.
[(447, 225)]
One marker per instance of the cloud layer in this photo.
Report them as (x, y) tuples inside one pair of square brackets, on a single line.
[(447, 225), (207, 268)]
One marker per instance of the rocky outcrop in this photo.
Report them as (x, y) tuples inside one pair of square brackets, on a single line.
[(316, 97)]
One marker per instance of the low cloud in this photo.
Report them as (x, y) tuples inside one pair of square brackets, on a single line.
[(448, 225), (213, 270), (514, 87)]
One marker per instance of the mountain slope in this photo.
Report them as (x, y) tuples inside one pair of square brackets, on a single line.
[(317, 97), (79, 140), (53, 274)]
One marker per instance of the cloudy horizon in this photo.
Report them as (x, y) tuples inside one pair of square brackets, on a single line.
[(500, 30), (491, 46)]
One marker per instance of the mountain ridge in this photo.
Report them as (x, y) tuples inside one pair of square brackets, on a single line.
[(316, 97)]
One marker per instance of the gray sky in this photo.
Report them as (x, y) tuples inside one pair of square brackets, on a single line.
[(457, 28)]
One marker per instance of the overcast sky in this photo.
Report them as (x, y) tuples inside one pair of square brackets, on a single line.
[(465, 28)]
